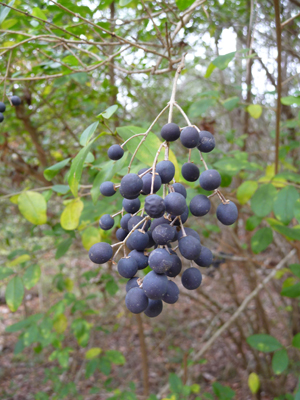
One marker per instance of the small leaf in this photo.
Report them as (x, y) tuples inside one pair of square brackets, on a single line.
[(255, 110), (14, 199), (209, 70), (52, 171), (116, 357), (124, 3), (280, 361), (37, 12), (5, 272), (253, 382), (14, 293), (109, 111), (284, 204), (175, 383), (183, 4), (63, 247), (231, 103), (295, 268), (60, 323), (69, 218), (262, 200), (264, 343), (289, 100), (61, 189), (261, 240), (4, 11), (292, 291), (253, 222), (33, 207), (93, 353), (32, 276), (296, 341), (246, 191), (19, 260), (90, 236), (222, 62), (88, 133)]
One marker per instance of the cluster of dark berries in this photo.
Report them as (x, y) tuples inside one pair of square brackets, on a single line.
[(15, 101), (157, 237)]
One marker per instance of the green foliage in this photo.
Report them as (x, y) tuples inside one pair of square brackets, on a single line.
[(33, 207), (261, 240), (264, 343)]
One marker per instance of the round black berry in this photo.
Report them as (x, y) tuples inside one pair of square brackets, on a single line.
[(15, 100), (175, 203), (132, 283), (200, 205), (176, 266), (133, 221), (121, 234), (155, 285), (154, 206), (183, 217), (147, 183), (115, 152), (189, 137), (1, 117), (166, 170), (206, 142), (189, 232), (191, 278), (2, 107), (130, 196), (190, 172), (138, 240), (160, 261), (107, 189), (210, 179), (189, 247), (163, 234), (205, 258), (140, 258), (136, 301), (159, 221), (124, 222), (172, 293), (127, 267), (131, 206), (106, 222), (170, 132), (227, 213), (179, 188), (154, 308), (131, 185), (100, 253)]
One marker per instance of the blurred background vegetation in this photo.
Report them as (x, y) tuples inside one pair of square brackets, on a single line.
[(107, 65)]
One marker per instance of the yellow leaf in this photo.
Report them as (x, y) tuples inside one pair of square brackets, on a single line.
[(14, 199), (60, 324), (19, 260), (69, 284), (69, 218), (253, 382), (255, 110), (90, 236), (33, 207), (93, 353)]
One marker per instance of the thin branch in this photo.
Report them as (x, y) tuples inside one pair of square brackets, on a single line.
[(290, 20)]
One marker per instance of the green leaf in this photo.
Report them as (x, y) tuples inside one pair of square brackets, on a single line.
[(37, 12), (32, 276), (231, 103), (289, 233), (297, 210), (280, 361), (63, 247), (222, 62), (292, 291), (61, 189), (4, 11), (109, 111), (91, 367), (90, 236), (209, 70), (124, 3), (116, 357), (33, 207), (262, 200), (223, 392), (296, 341), (246, 191), (253, 382), (18, 326), (5, 272), (93, 353), (261, 240), (9, 23), (60, 323), (229, 165), (253, 223), (14, 293), (295, 268), (255, 110), (284, 204), (199, 108), (289, 100), (52, 171), (77, 167), (105, 366), (69, 218), (19, 260), (264, 343), (175, 383), (88, 133), (183, 4), (111, 287)]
